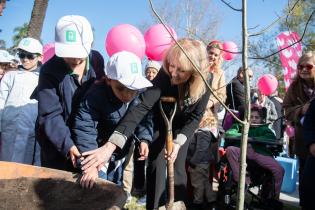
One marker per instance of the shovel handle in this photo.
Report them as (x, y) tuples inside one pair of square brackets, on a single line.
[(169, 149), (168, 99)]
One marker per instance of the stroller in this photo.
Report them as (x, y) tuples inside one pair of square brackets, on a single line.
[(261, 189)]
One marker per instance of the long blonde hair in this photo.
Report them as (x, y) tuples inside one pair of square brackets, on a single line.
[(197, 52)]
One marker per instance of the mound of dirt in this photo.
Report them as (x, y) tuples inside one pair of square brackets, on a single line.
[(38, 194)]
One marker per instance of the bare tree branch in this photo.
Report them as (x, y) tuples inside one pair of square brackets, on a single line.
[(229, 5), (276, 52), (274, 22)]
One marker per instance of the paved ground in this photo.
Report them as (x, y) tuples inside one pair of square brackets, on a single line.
[(292, 198)]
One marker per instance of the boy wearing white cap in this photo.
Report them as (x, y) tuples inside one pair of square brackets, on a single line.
[(5, 60), (151, 69), (103, 106), (18, 112), (63, 80)]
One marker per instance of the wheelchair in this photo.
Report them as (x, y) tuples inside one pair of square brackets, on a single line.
[(260, 191)]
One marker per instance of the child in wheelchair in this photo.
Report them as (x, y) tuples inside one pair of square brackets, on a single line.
[(257, 152)]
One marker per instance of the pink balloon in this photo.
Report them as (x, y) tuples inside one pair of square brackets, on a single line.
[(289, 130), (48, 51), (267, 84), (230, 47), (158, 40), (125, 37)]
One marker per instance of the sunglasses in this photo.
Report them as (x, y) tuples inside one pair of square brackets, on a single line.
[(29, 56), (307, 66)]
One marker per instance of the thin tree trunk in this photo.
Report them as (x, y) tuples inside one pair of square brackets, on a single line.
[(241, 184), (37, 19)]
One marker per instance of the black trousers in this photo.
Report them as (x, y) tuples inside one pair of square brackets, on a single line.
[(307, 185), (156, 175)]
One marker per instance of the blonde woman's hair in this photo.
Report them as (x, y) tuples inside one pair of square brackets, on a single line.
[(216, 67), (197, 52)]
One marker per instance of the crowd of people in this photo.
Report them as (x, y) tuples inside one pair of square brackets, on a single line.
[(76, 113)]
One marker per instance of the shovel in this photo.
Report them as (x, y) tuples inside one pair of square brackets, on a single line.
[(169, 148)]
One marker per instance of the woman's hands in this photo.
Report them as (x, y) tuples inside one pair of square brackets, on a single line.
[(172, 157), (98, 157)]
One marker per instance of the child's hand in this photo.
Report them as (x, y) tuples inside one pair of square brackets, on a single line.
[(144, 151), (312, 149), (74, 154), (89, 177)]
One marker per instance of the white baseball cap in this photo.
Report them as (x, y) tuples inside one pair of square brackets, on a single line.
[(31, 45), (5, 56), (73, 37), (125, 67), (153, 64)]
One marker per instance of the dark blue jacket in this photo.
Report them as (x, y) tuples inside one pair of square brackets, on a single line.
[(58, 93), (309, 125), (199, 150), (97, 117)]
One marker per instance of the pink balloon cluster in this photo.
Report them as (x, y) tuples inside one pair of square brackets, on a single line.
[(48, 51), (267, 84), (230, 49), (153, 44)]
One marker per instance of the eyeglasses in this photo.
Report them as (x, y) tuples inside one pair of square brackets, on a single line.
[(307, 66), (29, 56)]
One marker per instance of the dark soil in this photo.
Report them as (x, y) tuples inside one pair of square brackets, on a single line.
[(35, 193)]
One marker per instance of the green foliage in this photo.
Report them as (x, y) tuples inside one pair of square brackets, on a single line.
[(19, 33), (298, 21)]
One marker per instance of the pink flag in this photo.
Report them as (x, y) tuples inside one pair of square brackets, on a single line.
[(290, 56)]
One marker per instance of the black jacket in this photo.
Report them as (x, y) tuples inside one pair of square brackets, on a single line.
[(235, 90), (187, 117), (199, 150), (309, 125), (58, 94)]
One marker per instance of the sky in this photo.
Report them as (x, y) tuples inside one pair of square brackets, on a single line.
[(105, 14)]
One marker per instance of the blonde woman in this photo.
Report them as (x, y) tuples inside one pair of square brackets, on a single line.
[(178, 79), (215, 59)]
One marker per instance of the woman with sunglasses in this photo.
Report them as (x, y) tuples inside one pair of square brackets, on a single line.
[(18, 112), (297, 101)]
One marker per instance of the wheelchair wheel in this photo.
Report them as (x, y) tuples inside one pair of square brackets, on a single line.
[(226, 189)]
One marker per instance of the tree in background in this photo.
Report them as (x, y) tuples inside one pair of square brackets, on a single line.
[(20, 32), (189, 18), (37, 19), (294, 20)]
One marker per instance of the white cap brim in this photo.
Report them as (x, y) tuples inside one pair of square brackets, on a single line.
[(137, 83), (71, 51)]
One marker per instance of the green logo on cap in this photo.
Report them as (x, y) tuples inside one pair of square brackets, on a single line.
[(71, 36), (26, 42), (134, 68)]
